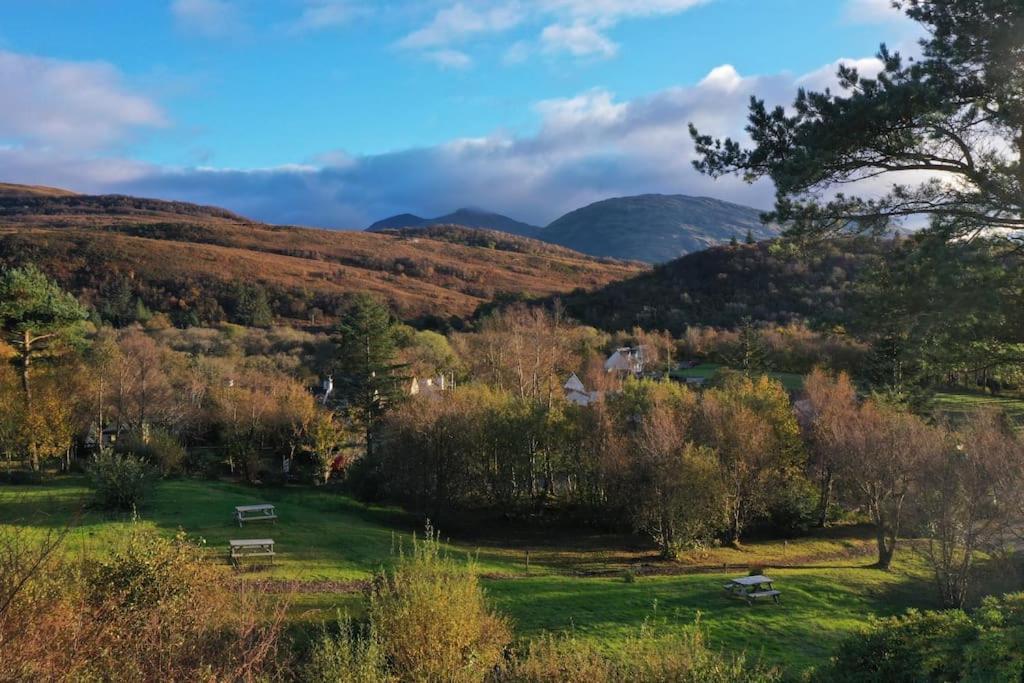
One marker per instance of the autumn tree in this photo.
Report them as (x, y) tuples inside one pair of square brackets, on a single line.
[(750, 425), (881, 454), (827, 410), (325, 441), (676, 485), (969, 499)]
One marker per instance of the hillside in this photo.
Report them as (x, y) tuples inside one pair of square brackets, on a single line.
[(655, 228), (469, 218), (722, 286), (196, 263)]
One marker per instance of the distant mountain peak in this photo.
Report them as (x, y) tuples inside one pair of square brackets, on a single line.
[(655, 227), (467, 217)]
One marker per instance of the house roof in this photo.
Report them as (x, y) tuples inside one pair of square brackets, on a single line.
[(574, 384)]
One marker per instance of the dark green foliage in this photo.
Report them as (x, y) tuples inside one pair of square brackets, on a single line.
[(366, 378), (772, 282), (146, 572), (252, 306), (920, 646), (35, 314), (750, 355), (161, 448), (120, 481), (951, 645), (955, 111)]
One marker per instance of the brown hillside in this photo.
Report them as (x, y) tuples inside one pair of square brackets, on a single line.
[(179, 256)]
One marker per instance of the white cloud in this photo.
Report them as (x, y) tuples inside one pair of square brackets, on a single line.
[(585, 148), (319, 15), (871, 12), (517, 53), (450, 59), (70, 105), (610, 11), (723, 77), (826, 76), (210, 18), (461, 22), (573, 27), (579, 40)]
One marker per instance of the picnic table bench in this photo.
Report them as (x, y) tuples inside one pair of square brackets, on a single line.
[(751, 588), (251, 547), (249, 513)]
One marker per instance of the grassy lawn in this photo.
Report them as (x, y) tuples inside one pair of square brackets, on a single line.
[(958, 404), (325, 540)]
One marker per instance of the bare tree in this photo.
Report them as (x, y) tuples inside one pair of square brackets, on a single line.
[(828, 408), (968, 500), (677, 487), (882, 452)]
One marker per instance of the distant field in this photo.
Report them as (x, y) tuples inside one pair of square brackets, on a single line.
[(790, 380), (958, 405), (953, 403), (328, 543)]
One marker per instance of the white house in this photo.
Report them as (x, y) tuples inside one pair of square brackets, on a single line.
[(626, 359), (576, 393), (430, 386)]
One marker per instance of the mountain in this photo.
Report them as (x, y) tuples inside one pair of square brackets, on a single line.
[(655, 228), (194, 262), (468, 218), (725, 285)]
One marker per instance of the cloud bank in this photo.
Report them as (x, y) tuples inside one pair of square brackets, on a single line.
[(586, 148)]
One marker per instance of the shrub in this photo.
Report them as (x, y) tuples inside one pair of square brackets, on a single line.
[(155, 610), (432, 618), (120, 481), (353, 655), (144, 573), (162, 449), (919, 646)]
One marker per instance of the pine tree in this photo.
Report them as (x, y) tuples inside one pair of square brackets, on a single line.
[(751, 355), (366, 378), (750, 237), (37, 319)]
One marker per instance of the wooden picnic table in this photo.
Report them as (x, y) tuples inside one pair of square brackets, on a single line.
[(249, 513), (751, 588), (251, 547)]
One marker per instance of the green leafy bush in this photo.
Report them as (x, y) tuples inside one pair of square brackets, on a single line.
[(162, 449), (120, 481), (918, 646)]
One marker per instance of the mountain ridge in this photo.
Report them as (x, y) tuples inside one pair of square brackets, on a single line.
[(191, 261), (651, 228), (466, 217)]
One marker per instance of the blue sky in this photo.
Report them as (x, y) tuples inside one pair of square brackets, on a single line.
[(338, 112)]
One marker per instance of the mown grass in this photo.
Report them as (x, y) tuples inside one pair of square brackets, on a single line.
[(958, 404), (326, 542)]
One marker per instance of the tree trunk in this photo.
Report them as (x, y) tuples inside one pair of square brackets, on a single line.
[(886, 547), (26, 362), (825, 500)]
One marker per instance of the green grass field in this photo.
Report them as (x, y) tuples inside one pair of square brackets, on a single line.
[(958, 404), (326, 543)]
